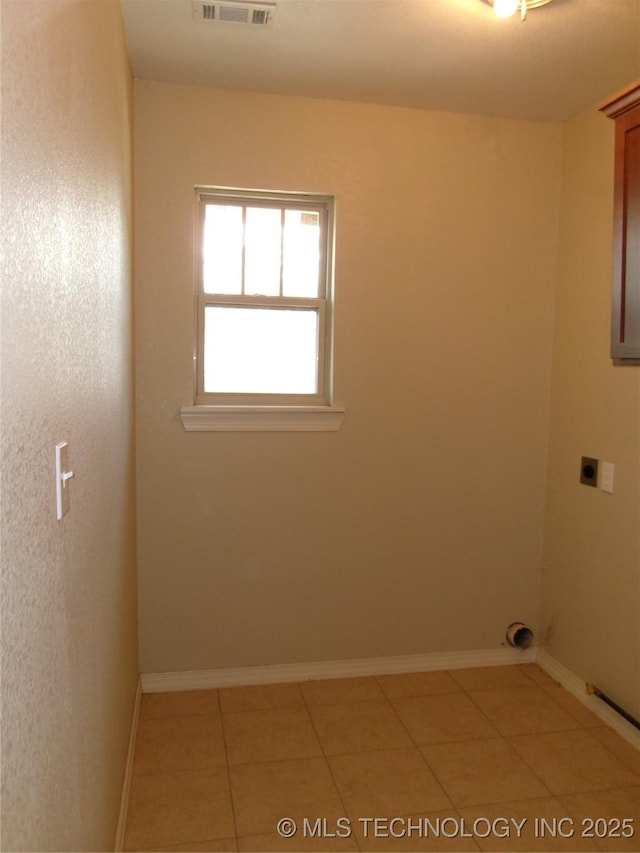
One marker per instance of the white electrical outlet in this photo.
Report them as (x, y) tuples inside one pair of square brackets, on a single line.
[(607, 471)]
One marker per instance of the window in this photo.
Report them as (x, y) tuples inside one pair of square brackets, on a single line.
[(264, 264)]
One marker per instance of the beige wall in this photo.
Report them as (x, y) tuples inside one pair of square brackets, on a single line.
[(417, 527), (591, 570), (68, 588)]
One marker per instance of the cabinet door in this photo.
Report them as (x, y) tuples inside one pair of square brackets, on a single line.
[(625, 319)]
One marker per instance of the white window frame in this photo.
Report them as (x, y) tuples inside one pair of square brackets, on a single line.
[(242, 411)]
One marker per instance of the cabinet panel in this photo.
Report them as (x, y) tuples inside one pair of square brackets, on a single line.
[(629, 331), (625, 302)]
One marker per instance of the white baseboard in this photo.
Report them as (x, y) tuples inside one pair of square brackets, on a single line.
[(161, 682), (578, 688), (128, 772)]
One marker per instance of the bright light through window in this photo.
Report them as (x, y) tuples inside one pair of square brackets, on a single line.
[(263, 324), (301, 253), (262, 251), (222, 255), (260, 350)]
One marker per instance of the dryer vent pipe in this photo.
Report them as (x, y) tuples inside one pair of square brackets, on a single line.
[(519, 636)]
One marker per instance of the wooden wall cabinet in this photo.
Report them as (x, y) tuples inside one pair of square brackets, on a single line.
[(624, 108)]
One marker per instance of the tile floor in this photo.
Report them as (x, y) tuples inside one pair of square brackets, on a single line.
[(499, 758)]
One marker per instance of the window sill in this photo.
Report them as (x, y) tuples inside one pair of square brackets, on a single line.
[(261, 418)]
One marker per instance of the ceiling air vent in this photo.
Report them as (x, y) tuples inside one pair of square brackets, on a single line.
[(234, 12)]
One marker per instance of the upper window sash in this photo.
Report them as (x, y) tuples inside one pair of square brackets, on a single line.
[(269, 201)]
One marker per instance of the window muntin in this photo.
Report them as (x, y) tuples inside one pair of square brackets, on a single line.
[(263, 267)]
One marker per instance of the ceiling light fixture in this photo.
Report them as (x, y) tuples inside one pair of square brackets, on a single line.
[(507, 8)]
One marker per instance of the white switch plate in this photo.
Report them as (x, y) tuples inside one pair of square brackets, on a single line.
[(63, 475), (607, 471)]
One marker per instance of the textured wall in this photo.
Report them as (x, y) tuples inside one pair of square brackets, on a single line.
[(68, 588), (417, 527), (591, 575)]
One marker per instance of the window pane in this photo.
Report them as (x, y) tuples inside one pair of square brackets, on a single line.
[(263, 235), (222, 249), (301, 253), (260, 350)]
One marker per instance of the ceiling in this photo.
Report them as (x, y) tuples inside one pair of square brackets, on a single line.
[(452, 55)]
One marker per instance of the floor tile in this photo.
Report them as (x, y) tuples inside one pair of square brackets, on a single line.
[(573, 761), (480, 772), (253, 736), (185, 703), (536, 674), (261, 697), (561, 696), (358, 726), (314, 839), (542, 824), (600, 814), (490, 677), (265, 793), (434, 831), (179, 743), (179, 808), (342, 750), (522, 710), (619, 746), (334, 690), (417, 684), (442, 718), (222, 845), (386, 782), (571, 705)]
